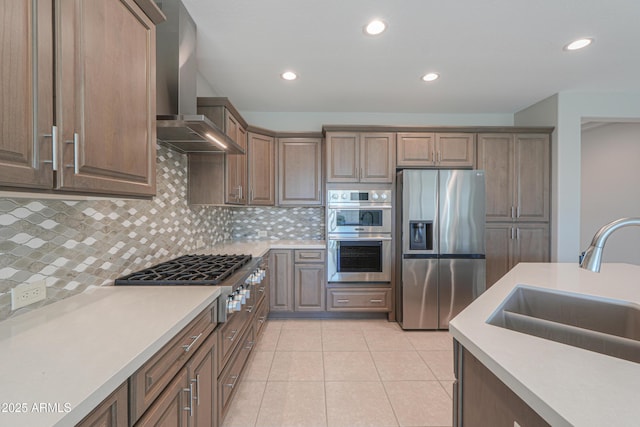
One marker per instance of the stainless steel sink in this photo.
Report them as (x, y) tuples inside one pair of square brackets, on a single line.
[(604, 326)]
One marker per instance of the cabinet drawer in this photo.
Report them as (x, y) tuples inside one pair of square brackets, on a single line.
[(309, 255), (112, 412), (230, 377), (358, 299), (261, 317), (229, 335), (147, 383)]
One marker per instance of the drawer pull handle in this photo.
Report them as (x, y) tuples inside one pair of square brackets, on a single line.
[(233, 384), (377, 301), (250, 345), (261, 290), (343, 300), (187, 347), (190, 407), (261, 319), (250, 309), (196, 380), (233, 335)]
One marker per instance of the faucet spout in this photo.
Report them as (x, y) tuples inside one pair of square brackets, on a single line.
[(592, 257)]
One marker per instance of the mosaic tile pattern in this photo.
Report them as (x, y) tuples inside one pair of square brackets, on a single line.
[(279, 223), (73, 245)]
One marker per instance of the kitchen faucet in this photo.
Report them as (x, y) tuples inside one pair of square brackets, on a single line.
[(592, 257)]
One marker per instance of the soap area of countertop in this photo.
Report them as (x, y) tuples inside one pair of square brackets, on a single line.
[(566, 385)]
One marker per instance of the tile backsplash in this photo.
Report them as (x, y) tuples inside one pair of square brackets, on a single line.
[(75, 244)]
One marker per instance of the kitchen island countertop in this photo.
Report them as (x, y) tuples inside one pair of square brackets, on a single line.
[(567, 386), (72, 354)]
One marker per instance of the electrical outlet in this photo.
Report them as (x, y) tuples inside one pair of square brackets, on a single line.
[(262, 233), (28, 293)]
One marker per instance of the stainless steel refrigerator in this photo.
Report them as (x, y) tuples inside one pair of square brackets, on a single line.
[(440, 235)]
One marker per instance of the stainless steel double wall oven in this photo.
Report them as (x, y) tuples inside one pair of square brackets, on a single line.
[(359, 236)]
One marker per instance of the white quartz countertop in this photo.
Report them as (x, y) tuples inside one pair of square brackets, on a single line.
[(261, 247), (59, 362), (567, 386)]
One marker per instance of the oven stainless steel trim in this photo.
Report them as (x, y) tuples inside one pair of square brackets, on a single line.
[(333, 227), (332, 258)]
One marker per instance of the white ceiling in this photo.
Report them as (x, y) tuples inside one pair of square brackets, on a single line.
[(494, 56)]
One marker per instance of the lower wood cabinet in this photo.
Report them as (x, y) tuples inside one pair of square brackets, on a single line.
[(152, 378), (171, 408), (112, 412), (298, 279), (203, 369), (508, 244), (359, 299), (481, 399)]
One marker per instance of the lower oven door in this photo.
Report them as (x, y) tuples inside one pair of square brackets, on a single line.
[(353, 258)]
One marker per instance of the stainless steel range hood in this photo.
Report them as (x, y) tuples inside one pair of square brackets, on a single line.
[(176, 79)]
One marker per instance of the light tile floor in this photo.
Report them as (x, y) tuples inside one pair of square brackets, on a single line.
[(333, 373)]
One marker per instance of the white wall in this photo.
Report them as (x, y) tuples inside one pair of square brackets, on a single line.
[(610, 187), (310, 121), (203, 88), (569, 109)]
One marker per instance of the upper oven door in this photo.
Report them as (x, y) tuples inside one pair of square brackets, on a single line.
[(360, 219)]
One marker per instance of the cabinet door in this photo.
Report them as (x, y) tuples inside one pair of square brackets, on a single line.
[(26, 110), (281, 277), (112, 412), (495, 157), (202, 374), (343, 161), (261, 166), (532, 167), (105, 99), (172, 408), (236, 168), (498, 239), (455, 150), (309, 283), (531, 243), (416, 149), (299, 171), (377, 152)]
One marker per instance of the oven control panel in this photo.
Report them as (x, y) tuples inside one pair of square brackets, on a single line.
[(359, 196)]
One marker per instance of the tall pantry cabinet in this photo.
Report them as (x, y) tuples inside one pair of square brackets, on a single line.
[(517, 168), (77, 112)]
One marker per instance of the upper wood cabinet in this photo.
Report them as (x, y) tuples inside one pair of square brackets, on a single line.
[(223, 179), (102, 137), (262, 169), (299, 171), (26, 110), (360, 157), (236, 167), (431, 149), (517, 176)]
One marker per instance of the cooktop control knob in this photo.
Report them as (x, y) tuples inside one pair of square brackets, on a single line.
[(344, 196), (383, 196), (374, 195), (334, 196)]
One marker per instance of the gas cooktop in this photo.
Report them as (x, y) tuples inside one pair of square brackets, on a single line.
[(188, 270)]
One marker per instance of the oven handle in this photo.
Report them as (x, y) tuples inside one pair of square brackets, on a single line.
[(357, 238)]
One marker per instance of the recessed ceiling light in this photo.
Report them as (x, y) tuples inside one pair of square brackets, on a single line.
[(429, 77), (375, 27), (579, 44), (289, 75)]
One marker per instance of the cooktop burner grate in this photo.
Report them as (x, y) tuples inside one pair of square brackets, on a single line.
[(187, 270)]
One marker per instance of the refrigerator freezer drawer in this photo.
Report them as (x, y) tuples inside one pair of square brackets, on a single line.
[(420, 293), (461, 281)]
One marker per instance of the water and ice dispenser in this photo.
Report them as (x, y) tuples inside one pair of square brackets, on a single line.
[(421, 233)]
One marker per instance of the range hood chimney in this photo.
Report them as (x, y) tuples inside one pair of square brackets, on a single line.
[(176, 80)]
